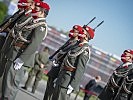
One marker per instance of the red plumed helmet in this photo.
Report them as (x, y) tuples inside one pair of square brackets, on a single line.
[(76, 27), (20, 5), (23, 4), (129, 51), (90, 31), (43, 5), (36, 1)]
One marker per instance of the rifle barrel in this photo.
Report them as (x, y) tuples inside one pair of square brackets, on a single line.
[(90, 21)]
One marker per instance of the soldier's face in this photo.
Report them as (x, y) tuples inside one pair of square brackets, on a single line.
[(37, 9), (35, 12), (128, 57), (87, 35), (31, 5), (39, 12), (75, 34)]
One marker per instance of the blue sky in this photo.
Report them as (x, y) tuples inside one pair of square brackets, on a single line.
[(113, 36)]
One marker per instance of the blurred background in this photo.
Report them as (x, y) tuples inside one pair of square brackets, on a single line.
[(111, 38)]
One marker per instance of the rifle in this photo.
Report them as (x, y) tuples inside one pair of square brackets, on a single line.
[(98, 25), (51, 57), (90, 21)]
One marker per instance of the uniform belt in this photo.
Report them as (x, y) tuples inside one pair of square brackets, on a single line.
[(20, 44), (69, 68)]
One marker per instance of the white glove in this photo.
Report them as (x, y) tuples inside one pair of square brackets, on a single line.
[(3, 34), (70, 89), (18, 64), (55, 64)]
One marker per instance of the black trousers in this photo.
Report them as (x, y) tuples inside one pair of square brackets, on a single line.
[(49, 89)]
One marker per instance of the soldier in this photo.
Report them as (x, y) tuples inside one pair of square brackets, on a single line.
[(23, 51), (41, 62), (116, 88), (25, 17), (73, 66), (63, 50), (10, 21), (125, 90)]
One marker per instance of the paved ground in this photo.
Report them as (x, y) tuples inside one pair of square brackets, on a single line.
[(27, 95)]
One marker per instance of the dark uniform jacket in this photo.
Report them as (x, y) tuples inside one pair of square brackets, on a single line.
[(14, 27), (11, 21), (117, 84), (12, 45), (75, 59), (125, 92), (8, 51)]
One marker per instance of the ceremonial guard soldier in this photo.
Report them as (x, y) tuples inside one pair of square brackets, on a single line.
[(23, 55), (61, 53), (125, 90), (25, 8), (73, 66), (119, 86), (9, 23)]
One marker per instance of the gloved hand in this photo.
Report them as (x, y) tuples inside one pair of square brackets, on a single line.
[(3, 34), (70, 89), (18, 64), (55, 64)]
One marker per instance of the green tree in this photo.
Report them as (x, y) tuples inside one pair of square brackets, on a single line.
[(3, 11)]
